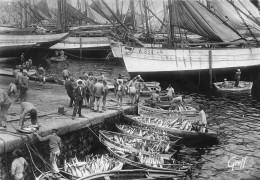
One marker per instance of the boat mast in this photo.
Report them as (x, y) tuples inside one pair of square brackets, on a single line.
[(146, 17), (142, 15), (172, 41), (166, 18), (117, 9), (61, 18), (133, 15), (79, 9)]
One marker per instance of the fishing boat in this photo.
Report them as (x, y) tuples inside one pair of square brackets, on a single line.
[(87, 47), (130, 174), (242, 87), (153, 162), (225, 26), (176, 128), (137, 143), (91, 165), (145, 131), (162, 106), (11, 46)]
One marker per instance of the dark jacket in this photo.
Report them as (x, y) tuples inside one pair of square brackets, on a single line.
[(69, 87), (79, 94)]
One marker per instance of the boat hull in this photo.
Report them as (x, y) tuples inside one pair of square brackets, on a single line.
[(11, 46), (190, 138), (190, 68), (88, 47), (243, 87)]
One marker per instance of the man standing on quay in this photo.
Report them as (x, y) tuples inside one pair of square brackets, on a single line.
[(79, 95)]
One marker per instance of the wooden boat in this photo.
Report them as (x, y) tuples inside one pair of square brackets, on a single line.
[(91, 165), (154, 162), (12, 45), (189, 113), (49, 79), (136, 174), (145, 131), (147, 88), (166, 104), (243, 86), (190, 137), (136, 143), (130, 174), (58, 58)]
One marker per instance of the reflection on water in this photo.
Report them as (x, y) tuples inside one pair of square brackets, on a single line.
[(236, 117)]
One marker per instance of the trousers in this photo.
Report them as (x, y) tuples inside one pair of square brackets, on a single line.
[(77, 107), (98, 103)]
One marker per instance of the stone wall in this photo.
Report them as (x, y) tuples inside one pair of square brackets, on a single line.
[(79, 143)]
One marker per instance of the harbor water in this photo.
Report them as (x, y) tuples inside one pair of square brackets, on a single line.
[(234, 116)]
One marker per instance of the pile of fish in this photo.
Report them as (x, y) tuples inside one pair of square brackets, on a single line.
[(91, 165), (141, 144), (144, 132), (162, 122)]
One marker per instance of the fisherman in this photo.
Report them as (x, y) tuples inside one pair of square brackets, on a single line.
[(86, 88), (69, 87), (79, 95), (105, 95), (98, 94), (237, 77), (115, 86), (28, 108), (30, 62), (119, 94), (132, 91), (225, 83), (55, 145), (19, 165), (5, 103), (203, 120), (41, 73), (138, 89), (22, 59), (170, 92), (23, 86), (179, 99), (65, 73), (18, 76), (12, 89), (155, 97), (91, 92)]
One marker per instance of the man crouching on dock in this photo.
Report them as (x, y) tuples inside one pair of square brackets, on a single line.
[(28, 108)]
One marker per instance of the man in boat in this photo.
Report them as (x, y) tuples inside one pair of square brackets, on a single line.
[(23, 86), (201, 125), (155, 97), (28, 108), (79, 95), (65, 73), (237, 77), (41, 73), (179, 99), (22, 59), (225, 83), (5, 103), (19, 165), (69, 88), (170, 92), (55, 145), (132, 91)]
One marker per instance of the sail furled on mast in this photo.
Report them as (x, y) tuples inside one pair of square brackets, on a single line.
[(233, 16), (194, 17)]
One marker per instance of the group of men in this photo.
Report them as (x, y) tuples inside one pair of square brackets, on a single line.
[(94, 90)]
